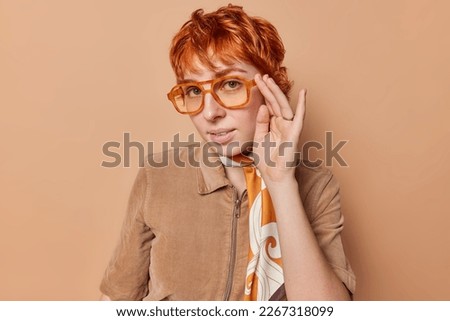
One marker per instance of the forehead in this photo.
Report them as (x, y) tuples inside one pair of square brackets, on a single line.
[(201, 72)]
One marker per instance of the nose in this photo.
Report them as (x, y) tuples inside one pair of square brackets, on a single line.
[(212, 111)]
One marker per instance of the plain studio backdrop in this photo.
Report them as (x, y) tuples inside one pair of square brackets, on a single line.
[(77, 74)]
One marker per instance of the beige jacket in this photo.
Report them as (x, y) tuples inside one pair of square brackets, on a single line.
[(185, 235)]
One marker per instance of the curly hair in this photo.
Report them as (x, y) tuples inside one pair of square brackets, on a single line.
[(229, 35)]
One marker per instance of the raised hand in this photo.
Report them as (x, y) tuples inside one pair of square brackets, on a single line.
[(277, 132)]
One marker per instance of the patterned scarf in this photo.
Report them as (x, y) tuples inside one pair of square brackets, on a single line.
[(264, 279)]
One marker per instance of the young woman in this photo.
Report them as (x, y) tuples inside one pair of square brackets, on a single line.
[(242, 219)]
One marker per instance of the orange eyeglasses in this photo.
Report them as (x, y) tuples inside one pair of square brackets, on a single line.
[(231, 92)]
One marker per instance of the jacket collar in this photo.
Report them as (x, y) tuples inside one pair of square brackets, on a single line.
[(211, 173)]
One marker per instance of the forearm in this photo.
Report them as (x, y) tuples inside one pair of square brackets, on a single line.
[(308, 276)]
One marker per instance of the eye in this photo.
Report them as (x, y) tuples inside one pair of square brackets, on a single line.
[(193, 91), (232, 84)]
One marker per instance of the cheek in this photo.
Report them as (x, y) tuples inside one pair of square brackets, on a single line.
[(197, 122), (253, 108), (256, 97), (248, 120)]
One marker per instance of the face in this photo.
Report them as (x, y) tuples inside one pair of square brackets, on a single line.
[(231, 128)]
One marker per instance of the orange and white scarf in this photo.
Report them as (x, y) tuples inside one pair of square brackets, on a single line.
[(264, 280)]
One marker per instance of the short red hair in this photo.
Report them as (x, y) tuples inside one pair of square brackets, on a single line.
[(229, 35)]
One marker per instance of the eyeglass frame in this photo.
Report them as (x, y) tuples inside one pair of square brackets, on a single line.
[(249, 84)]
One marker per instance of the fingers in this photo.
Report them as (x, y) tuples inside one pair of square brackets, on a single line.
[(276, 100), (300, 111), (262, 123), (265, 91)]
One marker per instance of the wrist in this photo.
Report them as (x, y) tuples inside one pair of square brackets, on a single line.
[(281, 186)]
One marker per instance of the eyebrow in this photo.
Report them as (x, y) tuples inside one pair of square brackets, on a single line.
[(218, 74)]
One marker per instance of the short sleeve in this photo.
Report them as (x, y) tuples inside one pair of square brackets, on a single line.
[(327, 223), (127, 274)]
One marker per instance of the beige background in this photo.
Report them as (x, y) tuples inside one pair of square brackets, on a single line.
[(76, 74)]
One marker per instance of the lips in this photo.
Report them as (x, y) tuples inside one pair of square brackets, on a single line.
[(221, 135)]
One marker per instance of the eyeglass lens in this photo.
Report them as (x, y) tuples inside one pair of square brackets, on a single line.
[(229, 93)]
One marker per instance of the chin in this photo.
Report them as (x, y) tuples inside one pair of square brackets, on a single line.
[(233, 148)]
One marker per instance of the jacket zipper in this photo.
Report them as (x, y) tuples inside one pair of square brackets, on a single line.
[(236, 215)]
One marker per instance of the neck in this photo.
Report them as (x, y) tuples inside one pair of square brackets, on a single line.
[(237, 178)]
